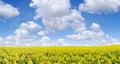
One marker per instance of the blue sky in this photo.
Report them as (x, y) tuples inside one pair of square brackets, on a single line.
[(59, 22)]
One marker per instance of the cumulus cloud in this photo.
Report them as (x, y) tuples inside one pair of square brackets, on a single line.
[(86, 35), (50, 8), (95, 27), (94, 36), (1, 40), (100, 6), (22, 34), (52, 24), (42, 32), (57, 15), (60, 17), (73, 20), (24, 37), (76, 21), (7, 10), (47, 41), (61, 42), (54, 14), (94, 33), (30, 26)]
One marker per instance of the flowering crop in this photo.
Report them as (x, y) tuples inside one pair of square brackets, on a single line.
[(60, 55)]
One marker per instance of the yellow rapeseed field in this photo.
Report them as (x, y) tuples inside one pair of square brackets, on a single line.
[(60, 55)]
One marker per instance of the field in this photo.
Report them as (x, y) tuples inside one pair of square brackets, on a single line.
[(60, 55)]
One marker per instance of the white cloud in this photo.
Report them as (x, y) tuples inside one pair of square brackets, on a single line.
[(57, 15), (62, 17), (50, 8), (42, 33), (47, 41), (100, 6), (54, 13), (1, 40), (30, 26), (7, 10), (57, 23), (61, 42), (94, 33), (22, 34), (82, 36), (95, 27), (24, 37), (94, 36), (76, 21), (73, 20)]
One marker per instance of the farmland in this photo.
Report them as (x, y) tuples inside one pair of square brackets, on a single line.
[(60, 55)]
